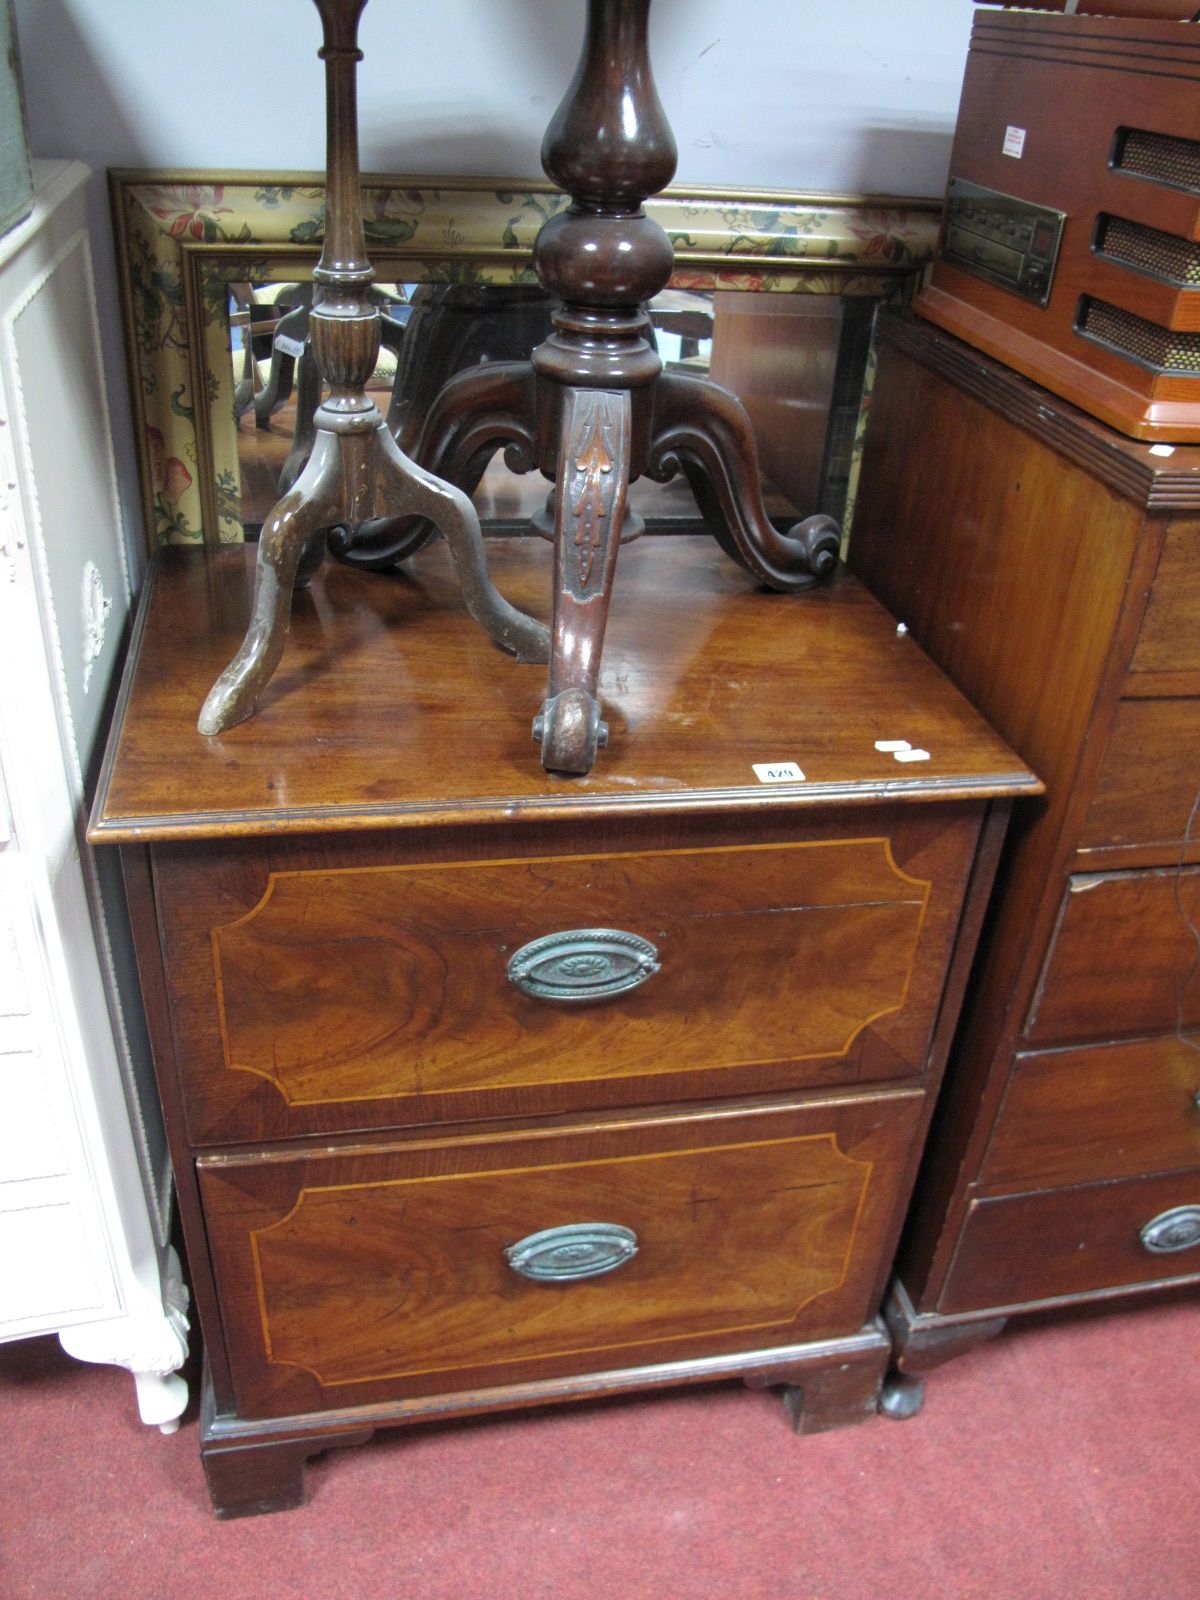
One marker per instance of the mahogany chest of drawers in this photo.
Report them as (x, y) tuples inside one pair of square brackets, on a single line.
[(486, 1089), (1052, 568)]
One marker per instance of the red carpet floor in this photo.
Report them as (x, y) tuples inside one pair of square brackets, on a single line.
[(1058, 1462)]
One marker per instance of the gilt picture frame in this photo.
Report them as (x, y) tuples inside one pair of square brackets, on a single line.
[(183, 237)]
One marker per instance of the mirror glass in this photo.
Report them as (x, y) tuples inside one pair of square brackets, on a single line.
[(796, 361)]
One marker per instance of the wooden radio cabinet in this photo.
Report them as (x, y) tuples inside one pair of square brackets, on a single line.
[(1052, 568), (418, 1177), (1071, 244)]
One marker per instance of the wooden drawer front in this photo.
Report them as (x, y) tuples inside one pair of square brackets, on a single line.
[(375, 997), (1151, 772), (1032, 1247), (1170, 636), (381, 1272), (1121, 962), (1106, 1111)]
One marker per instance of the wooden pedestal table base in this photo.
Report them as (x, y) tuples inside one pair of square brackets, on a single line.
[(355, 465), (592, 409)]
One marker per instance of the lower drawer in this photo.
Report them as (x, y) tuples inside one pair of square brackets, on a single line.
[(1101, 1112), (386, 1271), (1021, 1249)]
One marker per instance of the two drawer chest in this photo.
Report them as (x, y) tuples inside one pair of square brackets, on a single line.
[(1052, 568), (487, 1089)]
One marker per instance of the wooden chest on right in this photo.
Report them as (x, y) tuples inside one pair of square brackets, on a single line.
[(1052, 568)]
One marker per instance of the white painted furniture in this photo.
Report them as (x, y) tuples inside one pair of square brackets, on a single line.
[(85, 1187)]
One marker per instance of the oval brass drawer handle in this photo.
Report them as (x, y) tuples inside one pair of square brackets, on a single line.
[(576, 1250), (1178, 1229), (582, 964)]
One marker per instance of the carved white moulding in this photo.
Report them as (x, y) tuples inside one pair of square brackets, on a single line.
[(97, 608)]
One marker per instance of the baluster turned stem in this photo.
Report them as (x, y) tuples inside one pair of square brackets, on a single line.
[(609, 145), (345, 328)]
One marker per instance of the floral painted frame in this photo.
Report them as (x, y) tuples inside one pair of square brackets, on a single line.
[(183, 237)]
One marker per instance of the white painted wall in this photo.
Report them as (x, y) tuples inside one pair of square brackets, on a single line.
[(781, 93), (843, 95)]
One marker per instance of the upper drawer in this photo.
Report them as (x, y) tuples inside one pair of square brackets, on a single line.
[(1122, 959), (1170, 636), (336, 996), (381, 1272), (1148, 782), (1102, 1111)]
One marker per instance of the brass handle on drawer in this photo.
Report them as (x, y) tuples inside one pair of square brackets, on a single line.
[(1178, 1229), (576, 1250), (582, 964)]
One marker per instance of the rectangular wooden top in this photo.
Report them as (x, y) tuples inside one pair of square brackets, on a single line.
[(391, 707), (1158, 476)]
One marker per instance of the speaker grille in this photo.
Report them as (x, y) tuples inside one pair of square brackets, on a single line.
[(1161, 349), (1161, 157), (1163, 255)]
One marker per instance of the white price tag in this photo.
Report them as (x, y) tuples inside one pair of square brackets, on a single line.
[(1014, 142), (777, 772)]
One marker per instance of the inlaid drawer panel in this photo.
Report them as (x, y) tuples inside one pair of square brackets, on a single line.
[(1105, 1111), (389, 995), (397, 1270), (1031, 1247), (1145, 792), (1121, 962)]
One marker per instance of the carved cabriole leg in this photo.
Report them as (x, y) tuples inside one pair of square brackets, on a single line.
[(705, 429), (593, 480), (410, 489), (298, 517)]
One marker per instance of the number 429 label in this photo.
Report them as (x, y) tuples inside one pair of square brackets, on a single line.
[(778, 772)]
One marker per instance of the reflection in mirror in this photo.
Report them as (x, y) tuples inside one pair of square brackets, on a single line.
[(796, 362)]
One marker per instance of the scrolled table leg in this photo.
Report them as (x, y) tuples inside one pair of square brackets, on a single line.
[(407, 488), (704, 429), (294, 522), (593, 481)]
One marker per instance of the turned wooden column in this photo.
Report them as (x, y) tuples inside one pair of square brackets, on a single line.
[(355, 463), (609, 146)]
